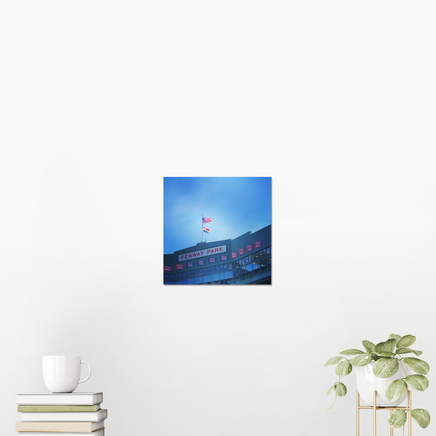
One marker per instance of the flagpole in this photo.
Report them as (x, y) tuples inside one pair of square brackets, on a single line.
[(202, 228)]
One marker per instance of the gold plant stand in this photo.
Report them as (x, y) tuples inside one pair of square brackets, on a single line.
[(374, 408)]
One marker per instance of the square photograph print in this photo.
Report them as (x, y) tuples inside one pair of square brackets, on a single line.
[(217, 231)]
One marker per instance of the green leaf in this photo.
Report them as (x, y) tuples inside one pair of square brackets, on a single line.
[(418, 382), (386, 354), (406, 341), (333, 360), (396, 337), (369, 346), (343, 368), (388, 346), (385, 367), (361, 359), (405, 350), (351, 352), (397, 418), (340, 389), (330, 390), (417, 365), (396, 390), (422, 417)]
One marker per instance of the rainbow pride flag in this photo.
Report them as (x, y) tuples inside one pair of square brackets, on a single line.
[(206, 230)]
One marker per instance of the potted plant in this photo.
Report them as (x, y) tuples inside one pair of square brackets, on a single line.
[(383, 367)]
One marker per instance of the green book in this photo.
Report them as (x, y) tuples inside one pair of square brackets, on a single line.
[(58, 408)]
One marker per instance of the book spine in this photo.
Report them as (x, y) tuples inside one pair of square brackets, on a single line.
[(64, 416), (63, 399), (60, 408), (68, 427), (40, 433)]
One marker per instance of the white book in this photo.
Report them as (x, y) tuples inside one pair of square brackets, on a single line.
[(58, 426), (39, 433), (65, 416), (74, 398)]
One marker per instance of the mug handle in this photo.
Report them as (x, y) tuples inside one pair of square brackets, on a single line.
[(90, 371)]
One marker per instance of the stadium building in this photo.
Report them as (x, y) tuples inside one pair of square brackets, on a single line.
[(245, 260)]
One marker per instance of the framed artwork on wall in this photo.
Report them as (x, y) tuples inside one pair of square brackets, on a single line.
[(217, 231)]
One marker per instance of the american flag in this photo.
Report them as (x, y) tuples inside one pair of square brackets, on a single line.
[(207, 220)]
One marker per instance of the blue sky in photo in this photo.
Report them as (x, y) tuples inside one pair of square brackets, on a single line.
[(236, 205)]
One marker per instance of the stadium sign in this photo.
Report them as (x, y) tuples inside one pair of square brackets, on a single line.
[(202, 253)]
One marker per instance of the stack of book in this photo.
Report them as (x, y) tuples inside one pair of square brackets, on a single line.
[(58, 414)]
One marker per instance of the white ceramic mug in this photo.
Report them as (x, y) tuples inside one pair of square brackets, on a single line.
[(62, 373)]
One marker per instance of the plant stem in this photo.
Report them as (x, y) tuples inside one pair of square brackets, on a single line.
[(334, 401), (336, 396), (402, 366)]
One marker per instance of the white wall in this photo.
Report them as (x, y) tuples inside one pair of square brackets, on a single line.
[(101, 100)]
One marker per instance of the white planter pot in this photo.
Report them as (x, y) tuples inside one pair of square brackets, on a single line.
[(367, 383)]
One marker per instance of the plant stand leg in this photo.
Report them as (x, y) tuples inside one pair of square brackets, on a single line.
[(357, 414), (374, 409), (392, 428), (375, 413), (409, 393)]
